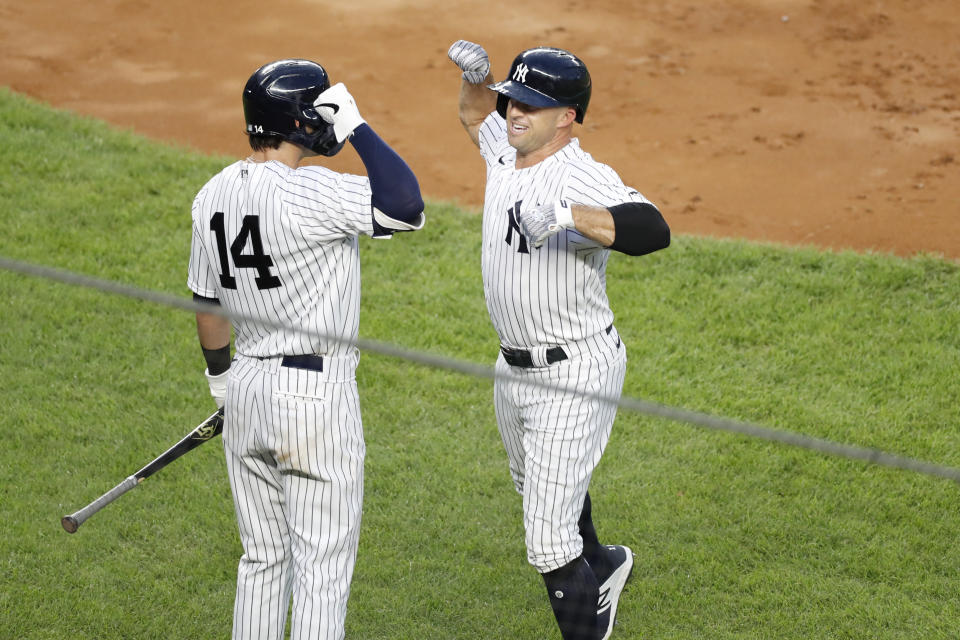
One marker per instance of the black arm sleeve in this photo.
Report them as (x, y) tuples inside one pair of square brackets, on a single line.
[(639, 229)]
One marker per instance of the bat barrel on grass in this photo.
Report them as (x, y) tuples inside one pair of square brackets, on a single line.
[(203, 432)]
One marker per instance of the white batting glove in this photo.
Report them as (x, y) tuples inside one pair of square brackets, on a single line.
[(337, 106), (218, 386), (541, 222), (472, 60)]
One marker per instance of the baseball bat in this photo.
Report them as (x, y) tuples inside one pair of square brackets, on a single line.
[(203, 432)]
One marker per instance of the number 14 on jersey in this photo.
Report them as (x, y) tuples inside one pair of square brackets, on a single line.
[(257, 259)]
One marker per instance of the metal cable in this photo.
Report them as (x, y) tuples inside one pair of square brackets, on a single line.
[(828, 447)]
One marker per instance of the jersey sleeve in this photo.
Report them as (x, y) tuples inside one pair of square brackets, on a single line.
[(493, 137), (201, 275), (330, 205), (598, 185)]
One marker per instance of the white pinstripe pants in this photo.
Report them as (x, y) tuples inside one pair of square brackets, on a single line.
[(294, 447), (554, 441)]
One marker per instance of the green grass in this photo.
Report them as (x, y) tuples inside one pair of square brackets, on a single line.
[(735, 537)]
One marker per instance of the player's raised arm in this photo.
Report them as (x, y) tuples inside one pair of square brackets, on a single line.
[(476, 99), (396, 191)]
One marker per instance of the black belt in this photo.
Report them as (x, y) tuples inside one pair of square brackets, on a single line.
[(308, 361), (522, 357)]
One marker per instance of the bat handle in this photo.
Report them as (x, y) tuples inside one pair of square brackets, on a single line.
[(73, 521)]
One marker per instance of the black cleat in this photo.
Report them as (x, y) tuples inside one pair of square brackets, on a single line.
[(611, 588)]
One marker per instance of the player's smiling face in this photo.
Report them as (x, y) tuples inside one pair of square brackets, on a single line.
[(537, 131)]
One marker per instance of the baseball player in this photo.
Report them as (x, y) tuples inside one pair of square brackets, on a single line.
[(551, 216), (278, 242)]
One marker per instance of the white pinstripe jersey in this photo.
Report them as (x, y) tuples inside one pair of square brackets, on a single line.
[(555, 294), (281, 244)]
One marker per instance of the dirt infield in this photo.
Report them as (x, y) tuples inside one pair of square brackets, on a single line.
[(826, 122)]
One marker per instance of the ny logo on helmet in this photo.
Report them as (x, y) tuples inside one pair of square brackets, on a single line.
[(520, 74)]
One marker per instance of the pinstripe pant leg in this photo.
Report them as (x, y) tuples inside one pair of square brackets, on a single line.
[(564, 436), (505, 404), (323, 477), (263, 574)]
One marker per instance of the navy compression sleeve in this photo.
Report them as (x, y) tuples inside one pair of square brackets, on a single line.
[(396, 191)]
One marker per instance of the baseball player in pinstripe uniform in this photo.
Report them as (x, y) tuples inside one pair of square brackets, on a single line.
[(551, 216), (277, 242)]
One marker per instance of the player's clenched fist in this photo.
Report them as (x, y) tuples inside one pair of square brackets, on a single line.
[(337, 106), (541, 222), (472, 60)]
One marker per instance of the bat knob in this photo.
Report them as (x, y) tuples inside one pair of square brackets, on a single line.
[(69, 524)]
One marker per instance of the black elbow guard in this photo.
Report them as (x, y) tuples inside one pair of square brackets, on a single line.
[(638, 228)]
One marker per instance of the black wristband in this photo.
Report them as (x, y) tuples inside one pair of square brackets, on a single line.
[(638, 228), (218, 360)]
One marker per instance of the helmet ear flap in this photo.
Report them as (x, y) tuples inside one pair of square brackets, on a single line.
[(502, 104), (309, 115), (323, 140)]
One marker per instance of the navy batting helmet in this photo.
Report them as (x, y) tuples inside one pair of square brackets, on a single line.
[(279, 95), (546, 77)]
